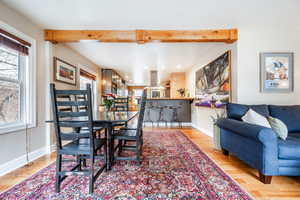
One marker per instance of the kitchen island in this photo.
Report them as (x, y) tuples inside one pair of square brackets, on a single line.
[(168, 111)]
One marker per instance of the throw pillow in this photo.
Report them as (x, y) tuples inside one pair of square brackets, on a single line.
[(253, 117), (278, 127)]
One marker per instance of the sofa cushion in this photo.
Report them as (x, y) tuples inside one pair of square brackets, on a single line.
[(290, 115), (289, 148), (278, 127), (237, 111), (253, 117)]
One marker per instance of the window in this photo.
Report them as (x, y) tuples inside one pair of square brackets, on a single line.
[(10, 86), (17, 76), (137, 92), (88, 78)]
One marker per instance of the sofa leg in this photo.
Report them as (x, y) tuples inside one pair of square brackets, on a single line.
[(265, 179), (225, 152)]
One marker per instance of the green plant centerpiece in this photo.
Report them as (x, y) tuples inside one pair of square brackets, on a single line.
[(108, 104), (215, 118)]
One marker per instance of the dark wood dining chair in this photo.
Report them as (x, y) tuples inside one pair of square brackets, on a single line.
[(81, 143), (126, 136)]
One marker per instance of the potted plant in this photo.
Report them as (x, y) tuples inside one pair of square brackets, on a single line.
[(218, 115), (107, 104), (182, 91)]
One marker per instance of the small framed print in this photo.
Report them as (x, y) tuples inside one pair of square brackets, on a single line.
[(276, 72), (64, 72)]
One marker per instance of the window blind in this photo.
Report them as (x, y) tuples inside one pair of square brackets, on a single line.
[(11, 41)]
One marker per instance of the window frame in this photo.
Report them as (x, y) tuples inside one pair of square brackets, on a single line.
[(28, 86), (93, 86)]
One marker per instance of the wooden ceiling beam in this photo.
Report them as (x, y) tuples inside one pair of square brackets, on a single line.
[(142, 36), (228, 36), (61, 36)]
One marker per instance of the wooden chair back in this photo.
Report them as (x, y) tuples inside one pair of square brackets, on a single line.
[(69, 118), (141, 113)]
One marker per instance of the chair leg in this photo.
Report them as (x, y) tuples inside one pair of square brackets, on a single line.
[(120, 145), (265, 179), (91, 176), (79, 161), (58, 169), (84, 162), (112, 150), (105, 154), (138, 152), (141, 145)]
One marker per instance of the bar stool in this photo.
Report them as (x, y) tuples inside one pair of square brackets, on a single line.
[(175, 115), (161, 117), (149, 108)]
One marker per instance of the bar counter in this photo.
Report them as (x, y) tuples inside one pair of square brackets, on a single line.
[(168, 98), (162, 110)]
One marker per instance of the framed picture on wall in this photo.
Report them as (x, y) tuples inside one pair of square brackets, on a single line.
[(213, 82), (276, 72), (64, 72)]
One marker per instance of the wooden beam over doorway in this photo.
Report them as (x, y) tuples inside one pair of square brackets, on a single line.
[(142, 36)]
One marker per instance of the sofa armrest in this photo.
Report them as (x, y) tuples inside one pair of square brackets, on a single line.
[(266, 157), (256, 132)]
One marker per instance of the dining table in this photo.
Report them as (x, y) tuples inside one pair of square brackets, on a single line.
[(107, 120)]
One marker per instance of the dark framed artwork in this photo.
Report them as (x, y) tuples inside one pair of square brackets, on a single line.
[(213, 82), (64, 72), (276, 72)]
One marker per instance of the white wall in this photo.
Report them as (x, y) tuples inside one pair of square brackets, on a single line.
[(246, 71), (250, 44), (13, 145), (69, 55), (201, 116)]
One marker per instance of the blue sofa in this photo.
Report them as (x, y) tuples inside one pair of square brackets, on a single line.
[(259, 146)]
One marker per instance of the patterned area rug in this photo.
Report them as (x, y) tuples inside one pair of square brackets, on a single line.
[(173, 168)]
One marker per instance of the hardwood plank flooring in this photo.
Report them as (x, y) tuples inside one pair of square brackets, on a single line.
[(282, 188)]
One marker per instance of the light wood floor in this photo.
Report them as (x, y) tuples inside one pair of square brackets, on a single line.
[(287, 188)]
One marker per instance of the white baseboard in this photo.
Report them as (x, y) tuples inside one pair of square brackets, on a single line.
[(21, 161), (205, 131), (53, 148)]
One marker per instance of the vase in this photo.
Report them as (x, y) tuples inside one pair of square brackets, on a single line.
[(217, 131), (107, 109)]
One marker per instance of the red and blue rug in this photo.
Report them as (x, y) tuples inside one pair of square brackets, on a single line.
[(173, 167)]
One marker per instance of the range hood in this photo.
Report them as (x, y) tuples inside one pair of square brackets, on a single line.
[(154, 78), (155, 90)]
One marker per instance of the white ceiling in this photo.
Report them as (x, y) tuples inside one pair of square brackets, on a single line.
[(131, 59), (134, 61), (156, 14)]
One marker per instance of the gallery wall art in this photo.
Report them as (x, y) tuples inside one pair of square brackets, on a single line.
[(213, 82), (276, 72), (64, 72)]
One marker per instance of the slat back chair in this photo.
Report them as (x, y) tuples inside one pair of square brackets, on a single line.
[(80, 98), (121, 104), (80, 108), (74, 119), (134, 135), (65, 98), (142, 113)]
